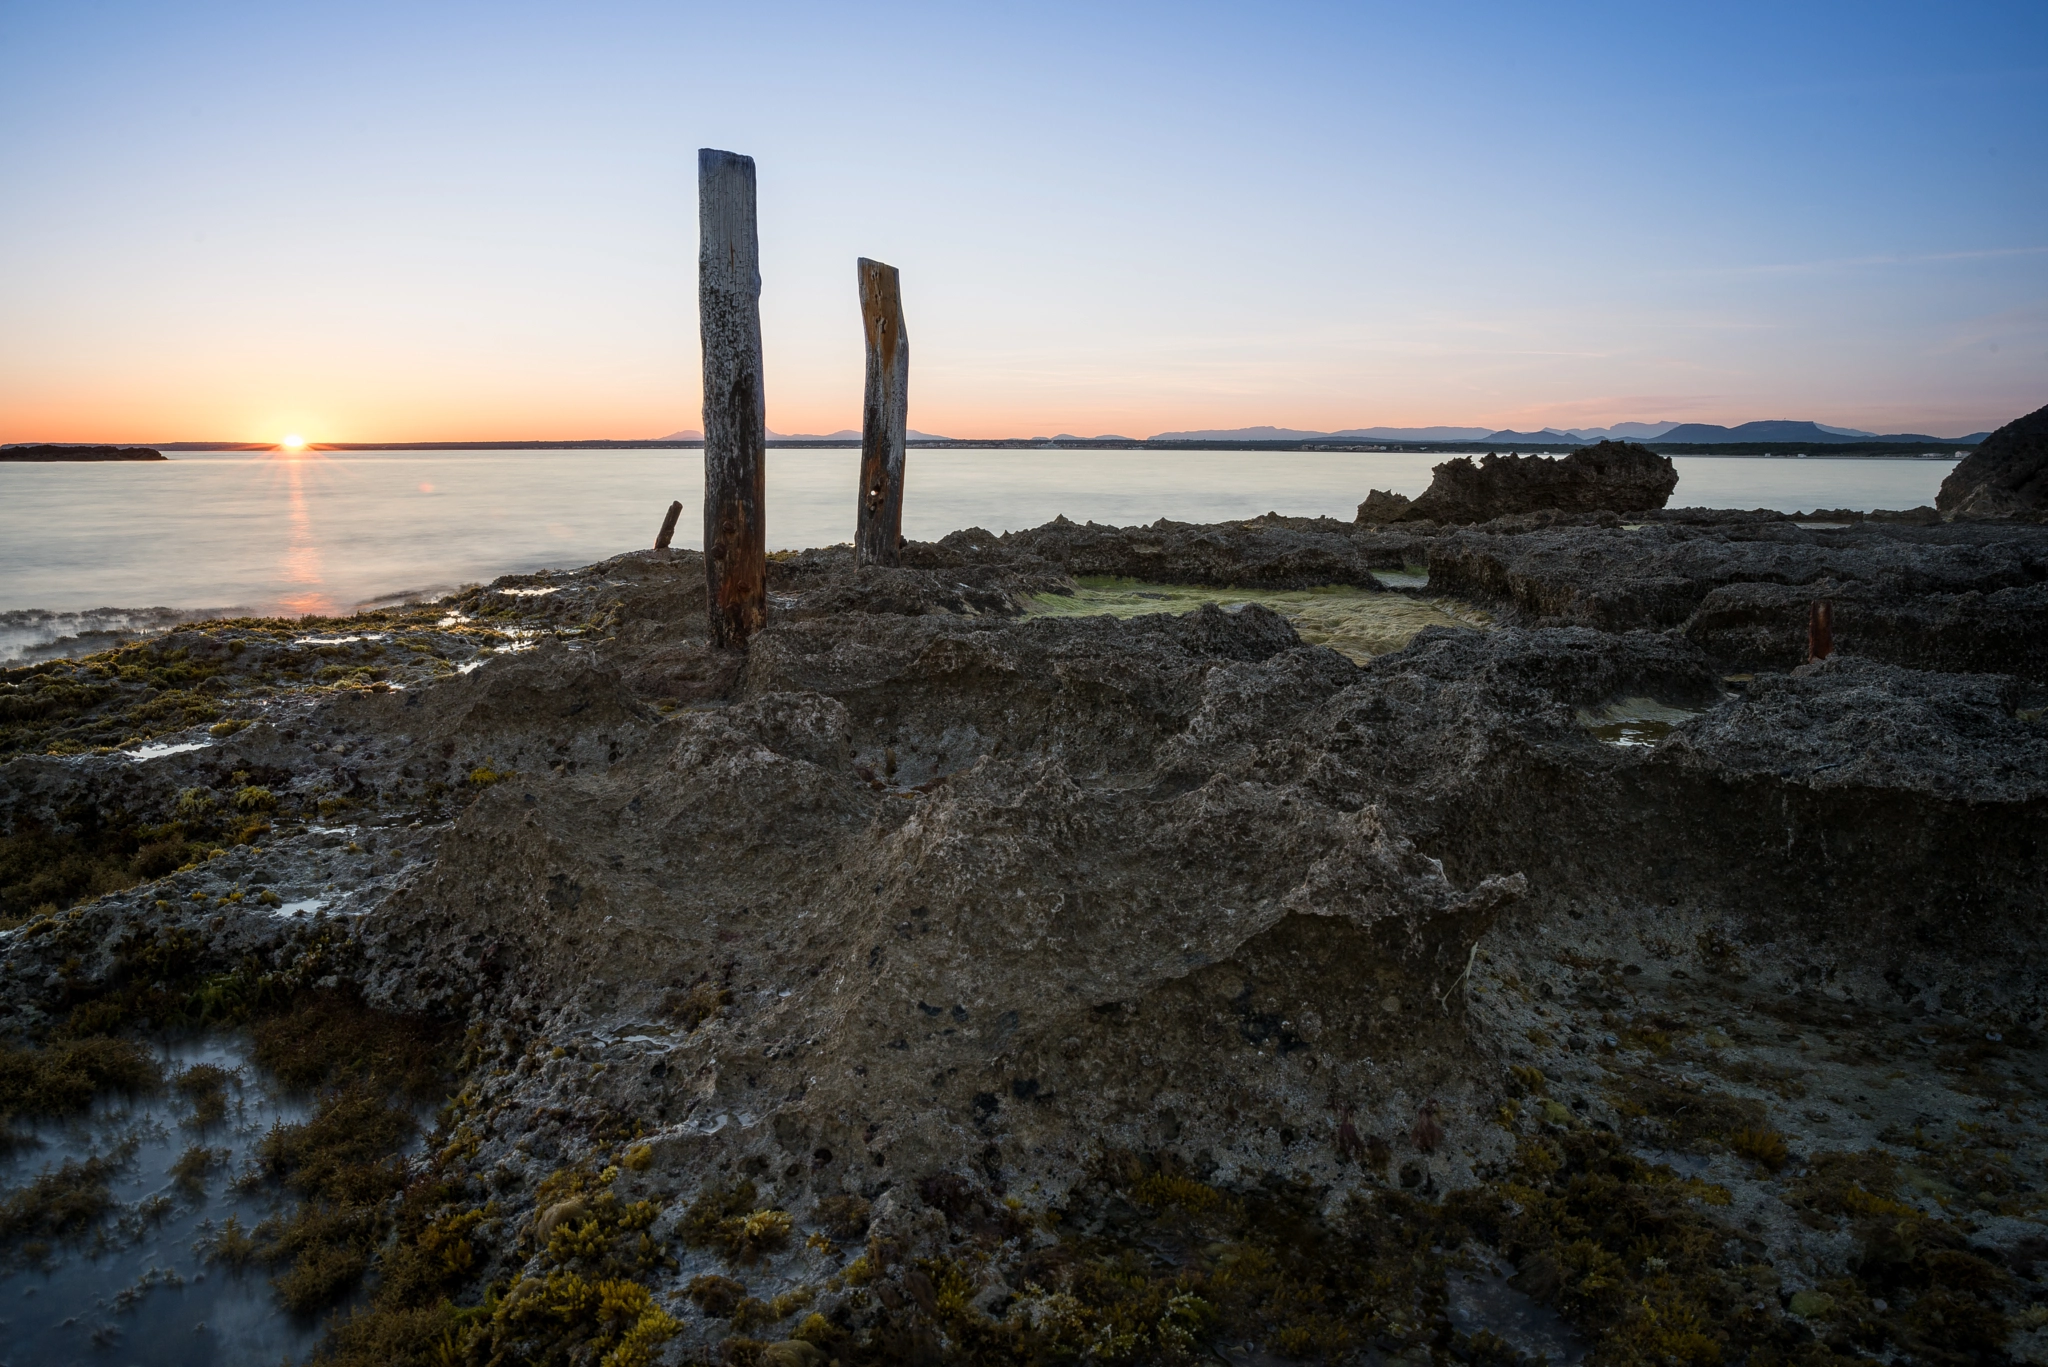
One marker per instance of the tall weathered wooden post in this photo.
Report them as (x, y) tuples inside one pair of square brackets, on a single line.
[(735, 409), (878, 529)]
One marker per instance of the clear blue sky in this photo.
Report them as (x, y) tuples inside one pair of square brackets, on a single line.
[(373, 220)]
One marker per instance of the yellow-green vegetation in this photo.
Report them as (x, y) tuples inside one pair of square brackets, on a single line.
[(1361, 623), (111, 698), (725, 1217), (187, 677), (252, 798), (232, 1244), (359, 1213), (170, 684), (589, 1305), (92, 850), (1971, 1170)]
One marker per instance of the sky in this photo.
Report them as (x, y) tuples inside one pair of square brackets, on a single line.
[(428, 221)]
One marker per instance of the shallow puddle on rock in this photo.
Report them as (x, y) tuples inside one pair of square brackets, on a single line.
[(1359, 623), (1634, 721), (139, 1288)]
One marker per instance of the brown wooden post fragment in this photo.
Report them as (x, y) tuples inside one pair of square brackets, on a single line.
[(878, 527), (735, 409), (1820, 632), (668, 526)]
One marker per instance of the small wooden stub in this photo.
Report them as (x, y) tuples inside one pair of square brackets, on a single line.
[(735, 406), (878, 525), (1820, 632), (668, 526)]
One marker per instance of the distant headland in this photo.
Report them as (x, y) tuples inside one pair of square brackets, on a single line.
[(52, 452)]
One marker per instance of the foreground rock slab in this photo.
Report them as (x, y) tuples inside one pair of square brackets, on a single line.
[(935, 981)]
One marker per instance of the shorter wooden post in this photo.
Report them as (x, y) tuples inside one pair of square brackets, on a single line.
[(885, 409), (668, 526), (1820, 632)]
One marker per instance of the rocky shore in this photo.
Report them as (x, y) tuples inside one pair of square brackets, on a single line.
[(950, 979)]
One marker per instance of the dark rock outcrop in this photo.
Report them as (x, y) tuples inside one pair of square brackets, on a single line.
[(1614, 477), (1966, 598), (2007, 475)]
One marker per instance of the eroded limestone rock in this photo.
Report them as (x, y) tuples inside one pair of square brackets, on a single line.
[(2006, 476), (1612, 477)]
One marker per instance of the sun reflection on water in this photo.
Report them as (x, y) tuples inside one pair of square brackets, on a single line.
[(303, 567)]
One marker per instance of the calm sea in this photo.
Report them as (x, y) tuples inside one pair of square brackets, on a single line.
[(88, 547)]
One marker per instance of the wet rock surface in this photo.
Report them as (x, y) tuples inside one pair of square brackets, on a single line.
[(940, 982)]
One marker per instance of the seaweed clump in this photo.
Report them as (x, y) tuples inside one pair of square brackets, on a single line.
[(725, 1217), (344, 1162), (1916, 1289), (65, 1075), (62, 1202), (589, 1302), (1151, 1264)]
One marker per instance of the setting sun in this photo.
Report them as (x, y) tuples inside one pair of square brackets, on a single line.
[(292, 441)]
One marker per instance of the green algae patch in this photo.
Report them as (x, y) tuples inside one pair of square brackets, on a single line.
[(1359, 623)]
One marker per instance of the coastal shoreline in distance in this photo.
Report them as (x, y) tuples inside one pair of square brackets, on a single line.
[(53, 452), (1857, 449)]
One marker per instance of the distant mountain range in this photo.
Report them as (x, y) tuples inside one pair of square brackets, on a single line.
[(1779, 430), (1628, 431), (1788, 431), (1348, 434), (1701, 432), (1548, 434)]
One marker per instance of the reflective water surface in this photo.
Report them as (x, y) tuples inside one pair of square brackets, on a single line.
[(137, 1288), (321, 532)]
